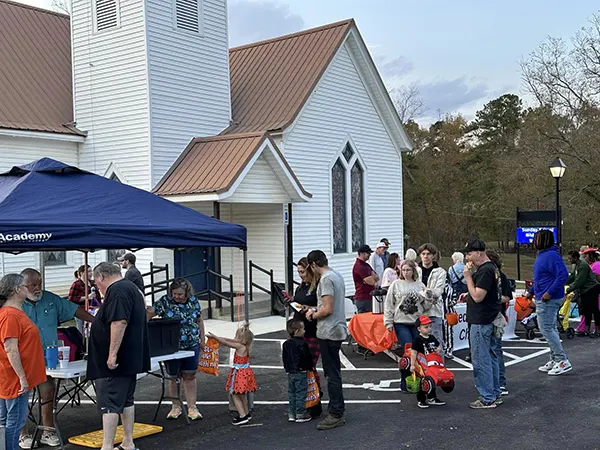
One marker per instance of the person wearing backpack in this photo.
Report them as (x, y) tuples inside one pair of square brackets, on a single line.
[(456, 275)]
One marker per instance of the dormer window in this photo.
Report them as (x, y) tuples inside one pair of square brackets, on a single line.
[(188, 15), (106, 14)]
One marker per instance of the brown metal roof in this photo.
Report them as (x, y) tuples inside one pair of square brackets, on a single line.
[(271, 80), (35, 69), (213, 164)]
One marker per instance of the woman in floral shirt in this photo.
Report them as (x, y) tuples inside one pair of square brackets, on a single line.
[(181, 304)]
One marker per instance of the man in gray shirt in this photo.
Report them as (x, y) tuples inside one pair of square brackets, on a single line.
[(331, 332)]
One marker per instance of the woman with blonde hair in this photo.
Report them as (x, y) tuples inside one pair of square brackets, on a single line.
[(407, 298)]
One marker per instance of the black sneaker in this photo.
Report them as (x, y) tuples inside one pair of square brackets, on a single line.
[(436, 402), (594, 335), (582, 334), (241, 420), (423, 404)]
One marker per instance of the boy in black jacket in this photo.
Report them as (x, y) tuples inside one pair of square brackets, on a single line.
[(296, 361)]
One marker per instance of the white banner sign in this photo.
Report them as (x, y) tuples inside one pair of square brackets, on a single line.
[(461, 330)]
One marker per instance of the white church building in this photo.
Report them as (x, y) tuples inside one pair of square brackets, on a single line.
[(295, 138)]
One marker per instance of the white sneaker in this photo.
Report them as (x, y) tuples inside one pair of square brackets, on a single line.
[(561, 367), (547, 367), (50, 438), (25, 441)]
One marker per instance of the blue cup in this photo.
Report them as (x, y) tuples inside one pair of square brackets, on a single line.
[(52, 357)]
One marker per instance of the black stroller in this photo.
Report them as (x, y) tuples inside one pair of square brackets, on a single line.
[(530, 323)]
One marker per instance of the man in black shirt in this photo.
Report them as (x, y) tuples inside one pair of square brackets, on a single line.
[(484, 304), (132, 274), (118, 351)]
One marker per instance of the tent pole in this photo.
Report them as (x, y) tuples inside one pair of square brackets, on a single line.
[(85, 283), (246, 303), (43, 270)]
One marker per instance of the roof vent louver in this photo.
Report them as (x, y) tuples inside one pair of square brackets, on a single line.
[(106, 14), (187, 15)]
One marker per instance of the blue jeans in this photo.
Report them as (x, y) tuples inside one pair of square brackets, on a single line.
[(13, 416), (486, 370), (501, 367), (546, 313), (297, 387), (405, 333)]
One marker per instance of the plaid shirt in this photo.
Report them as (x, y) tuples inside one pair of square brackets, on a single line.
[(77, 293)]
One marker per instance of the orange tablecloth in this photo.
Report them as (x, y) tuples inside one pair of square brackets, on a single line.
[(368, 330)]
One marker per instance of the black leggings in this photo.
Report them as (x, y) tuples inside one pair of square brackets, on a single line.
[(589, 307)]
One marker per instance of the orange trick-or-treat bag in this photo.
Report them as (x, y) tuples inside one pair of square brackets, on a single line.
[(209, 358)]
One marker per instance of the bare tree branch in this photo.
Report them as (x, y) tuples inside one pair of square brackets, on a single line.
[(61, 6), (408, 102)]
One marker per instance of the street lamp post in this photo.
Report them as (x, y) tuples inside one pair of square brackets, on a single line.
[(557, 169)]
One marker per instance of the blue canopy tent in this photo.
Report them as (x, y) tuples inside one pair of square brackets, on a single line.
[(48, 205)]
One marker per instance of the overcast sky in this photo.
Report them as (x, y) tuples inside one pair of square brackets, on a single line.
[(460, 53)]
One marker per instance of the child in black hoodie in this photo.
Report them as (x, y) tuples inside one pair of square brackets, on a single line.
[(296, 361)]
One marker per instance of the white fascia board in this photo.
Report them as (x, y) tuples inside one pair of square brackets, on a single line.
[(41, 135)]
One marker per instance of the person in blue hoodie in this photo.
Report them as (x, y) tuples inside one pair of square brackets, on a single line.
[(550, 275)]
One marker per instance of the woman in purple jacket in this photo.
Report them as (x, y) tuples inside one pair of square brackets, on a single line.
[(549, 278)]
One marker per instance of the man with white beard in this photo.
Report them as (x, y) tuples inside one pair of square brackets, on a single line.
[(47, 310)]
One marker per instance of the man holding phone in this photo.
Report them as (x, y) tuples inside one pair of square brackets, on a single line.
[(331, 332)]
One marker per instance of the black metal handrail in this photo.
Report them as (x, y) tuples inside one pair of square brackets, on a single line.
[(252, 284), (157, 287)]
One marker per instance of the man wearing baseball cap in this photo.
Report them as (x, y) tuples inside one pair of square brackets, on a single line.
[(133, 274), (365, 280), (386, 254), (484, 303), (376, 261)]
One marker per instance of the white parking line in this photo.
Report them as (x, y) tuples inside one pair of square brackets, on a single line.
[(345, 361), (528, 357), (510, 355), (256, 402), (462, 362)]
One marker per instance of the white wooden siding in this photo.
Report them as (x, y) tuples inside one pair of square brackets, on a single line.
[(260, 185), (110, 86), (264, 224), (340, 108), (189, 80), (16, 151)]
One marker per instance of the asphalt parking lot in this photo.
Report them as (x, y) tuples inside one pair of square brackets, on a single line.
[(541, 412)]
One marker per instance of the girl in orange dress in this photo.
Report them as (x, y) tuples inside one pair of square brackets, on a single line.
[(241, 377)]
